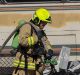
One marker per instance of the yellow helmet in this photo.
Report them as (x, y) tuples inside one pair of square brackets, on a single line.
[(42, 15)]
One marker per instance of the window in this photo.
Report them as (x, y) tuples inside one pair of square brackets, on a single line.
[(30, 0), (5, 1)]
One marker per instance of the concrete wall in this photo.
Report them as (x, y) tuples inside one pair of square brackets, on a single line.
[(65, 27)]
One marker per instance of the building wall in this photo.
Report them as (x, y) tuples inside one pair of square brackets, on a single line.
[(64, 29)]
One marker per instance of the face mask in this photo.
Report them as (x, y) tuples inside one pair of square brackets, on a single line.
[(42, 24)]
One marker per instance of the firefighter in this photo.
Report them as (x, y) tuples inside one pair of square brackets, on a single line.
[(30, 45)]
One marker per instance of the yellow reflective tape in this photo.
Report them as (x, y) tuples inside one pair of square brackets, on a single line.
[(23, 63), (33, 64), (31, 67), (21, 66), (16, 61), (32, 40), (29, 41)]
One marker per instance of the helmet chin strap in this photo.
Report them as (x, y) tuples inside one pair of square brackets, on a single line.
[(32, 21)]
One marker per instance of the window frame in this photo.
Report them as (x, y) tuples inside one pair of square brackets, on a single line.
[(39, 2)]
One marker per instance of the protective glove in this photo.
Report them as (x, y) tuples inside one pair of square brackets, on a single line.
[(51, 58)]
